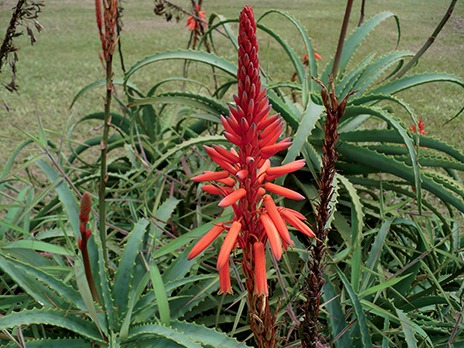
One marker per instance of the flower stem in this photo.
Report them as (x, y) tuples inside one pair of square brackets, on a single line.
[(262, 320), (429, 41), (104, 148), (341, 39), (310, 336), (88, 272)]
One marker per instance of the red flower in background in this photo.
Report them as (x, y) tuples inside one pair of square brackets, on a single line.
[(246, 175), (305, 58), (193, 23), (421, 126)]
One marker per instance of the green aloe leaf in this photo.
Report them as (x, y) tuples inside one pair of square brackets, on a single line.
[(383, 285), (403, 83), (201, 140), (65, 195), (102, 275), (202, 57), (197, 101), (206, 336), (54, 343), (390, 165), (160, 293), (352, 111), (336, 317), (90, 306), (387, 314), (54, 317), (96, 84), (362, 322), (377, 68), (355, 39), (141, 332), (129, 271), (357, 223), (40, 285), (375, 253), (309, 120), (296, 61), (225, 25), (38, 246)]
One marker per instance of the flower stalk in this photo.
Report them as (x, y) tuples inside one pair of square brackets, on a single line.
[(341, 39), (84, 213), (106, 15), (334, 109), (244, 182)]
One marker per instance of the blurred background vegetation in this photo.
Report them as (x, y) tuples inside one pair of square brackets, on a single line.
[(65, 57)]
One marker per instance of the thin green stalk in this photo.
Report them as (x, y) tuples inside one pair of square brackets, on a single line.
[(104, 148), (429, 41), (341, 39)]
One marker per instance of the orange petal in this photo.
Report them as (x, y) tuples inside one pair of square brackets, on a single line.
[(232, 158), (228, 125), (298, 224), (263, 112), (209, 176), (217, 190), (242, 174), (272, 235), (275, 172), (228, 245), (259, 256), (271, 119), (271, 150), (317, 56), (261, 172), (206, 240), (232, 198), (224, 280), (227, 181), (277, 219), (277, 124), (270, 139), (233, 138), (283, 191), (295, 213)]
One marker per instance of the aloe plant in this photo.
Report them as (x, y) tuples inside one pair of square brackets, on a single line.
[(137, 306), (394, 266)]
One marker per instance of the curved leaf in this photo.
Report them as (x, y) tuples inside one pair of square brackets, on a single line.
[(96, 84), (403, 83), (54, 317), (309, 51), (206, 336), (353, 111), (194, 100), (354, 40), (125, 280), (362, 322), (140, 332), (389, 165), (202, 57)]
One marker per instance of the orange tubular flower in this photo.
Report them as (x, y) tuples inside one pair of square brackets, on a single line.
[(246, 172), (260, 268)]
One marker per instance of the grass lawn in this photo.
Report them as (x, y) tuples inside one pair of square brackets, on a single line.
[(65, 57)]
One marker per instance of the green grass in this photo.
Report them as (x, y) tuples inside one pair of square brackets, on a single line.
[(65, 57)]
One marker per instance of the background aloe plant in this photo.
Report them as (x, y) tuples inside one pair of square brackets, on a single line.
[(394, 276)]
